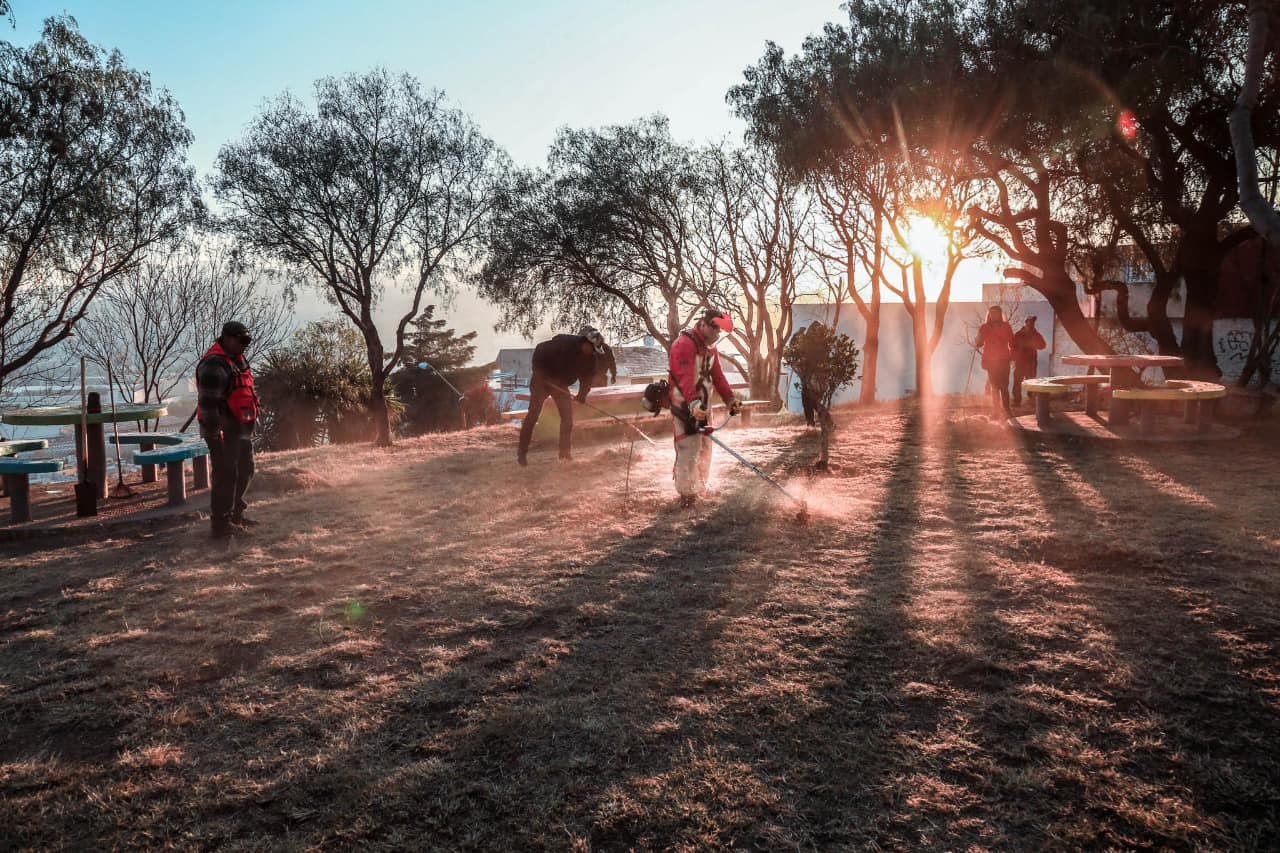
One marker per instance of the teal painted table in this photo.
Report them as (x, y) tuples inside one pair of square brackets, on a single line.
[(96, 440)]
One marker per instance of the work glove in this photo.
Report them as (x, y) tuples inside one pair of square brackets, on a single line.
[(735, 404), (699, 411)]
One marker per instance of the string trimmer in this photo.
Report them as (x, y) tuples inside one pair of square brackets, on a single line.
[(709, 431)]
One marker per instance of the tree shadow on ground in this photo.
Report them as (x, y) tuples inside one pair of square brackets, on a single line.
[(1190, 714), (563, 717)]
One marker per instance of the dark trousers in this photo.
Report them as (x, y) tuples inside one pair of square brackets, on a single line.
[(539, 390), (1021, 370), (806, 402), (231, 469), (998, 379)]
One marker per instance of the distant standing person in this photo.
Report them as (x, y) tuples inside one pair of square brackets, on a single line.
[(806, 396), (227, 408), (1027, 343), (995, 340), (695, 373), (558, 363)]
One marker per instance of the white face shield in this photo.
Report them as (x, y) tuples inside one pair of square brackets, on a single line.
[(597, 341)]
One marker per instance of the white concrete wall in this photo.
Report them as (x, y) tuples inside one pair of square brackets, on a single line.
[(956, 369)]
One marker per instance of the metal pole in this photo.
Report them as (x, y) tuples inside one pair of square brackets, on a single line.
[(82, 446), (710, 433), (426, 365), (121, 490)]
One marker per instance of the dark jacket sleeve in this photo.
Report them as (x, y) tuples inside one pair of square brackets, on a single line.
[(586, 376), (213, 386)]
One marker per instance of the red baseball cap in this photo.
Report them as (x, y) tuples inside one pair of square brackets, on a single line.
[(719, 319)]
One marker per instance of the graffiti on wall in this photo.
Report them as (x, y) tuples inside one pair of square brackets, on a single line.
[(1232, 339)]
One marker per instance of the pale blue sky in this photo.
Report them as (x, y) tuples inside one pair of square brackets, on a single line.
[(520, 69)]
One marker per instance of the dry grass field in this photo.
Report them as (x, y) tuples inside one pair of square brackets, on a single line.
[(975, 642)]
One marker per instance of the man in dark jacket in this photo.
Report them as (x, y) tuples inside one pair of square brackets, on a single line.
[(558, 363), (1027, 343), (227, 407), (806, 397)]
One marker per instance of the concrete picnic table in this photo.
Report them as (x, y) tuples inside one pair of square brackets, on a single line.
[(1121, 369), (72, 415)]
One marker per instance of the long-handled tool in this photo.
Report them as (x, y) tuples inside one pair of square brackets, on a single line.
[(709, 431), (120, 490), (626, 424), (426, 365), (86, 492)]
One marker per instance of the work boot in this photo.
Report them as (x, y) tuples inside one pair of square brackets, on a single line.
[(222, 529), (243, 521)]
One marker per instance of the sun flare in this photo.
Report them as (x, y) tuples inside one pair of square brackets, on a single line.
[(927, 240)]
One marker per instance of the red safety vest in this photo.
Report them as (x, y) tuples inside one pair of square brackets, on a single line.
[(242, 400)]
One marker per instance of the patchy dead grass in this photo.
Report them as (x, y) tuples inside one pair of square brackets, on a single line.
[(976, 643)]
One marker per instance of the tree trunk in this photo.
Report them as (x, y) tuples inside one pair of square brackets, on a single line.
[(1158, 324), (1060, 293), (1199, 260), (763, 381), (825, 424), (920, 335), (377, 388), (871, 349), (1262, 216)]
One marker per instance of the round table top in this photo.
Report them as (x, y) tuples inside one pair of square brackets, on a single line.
[(1121, 360), (64, 415)]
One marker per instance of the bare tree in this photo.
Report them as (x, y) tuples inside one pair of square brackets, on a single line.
[(154, 323), (850, 233), (381, 183), (752, 243), (92, 174), (606, 233)]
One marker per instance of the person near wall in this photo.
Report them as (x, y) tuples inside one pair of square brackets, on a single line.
[(995, 341), (694, 373), (1027, 343), (806, 396)]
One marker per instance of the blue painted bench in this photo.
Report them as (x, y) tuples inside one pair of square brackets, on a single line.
[(173, 458), (148, 441), (14, 446), (9, 448), (17, 483)]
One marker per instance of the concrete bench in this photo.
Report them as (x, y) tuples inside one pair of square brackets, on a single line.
[(1047, 387), (147, 441), (173, 458), (1197, 397), (15, 446), (9, 448), (17, 482)]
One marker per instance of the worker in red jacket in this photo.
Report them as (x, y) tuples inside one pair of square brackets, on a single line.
[(1027, 343), (995, 340), (694, 373)]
